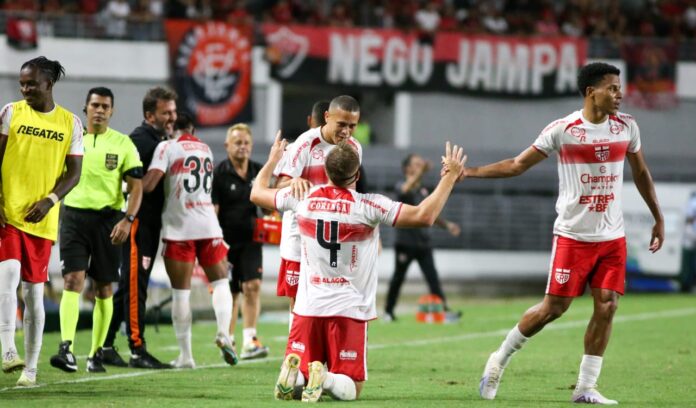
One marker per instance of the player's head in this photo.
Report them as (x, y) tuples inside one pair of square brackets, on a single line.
[(412, 164), (342, 165), (184, 124), (159, 109), (99, 106), (36, 79), (599, 84), (317, 117), (239, 142), (341, 119)]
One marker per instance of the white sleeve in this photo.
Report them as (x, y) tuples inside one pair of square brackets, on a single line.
[(76, 148), (634, 142), (380, 209), (547, 141), (294, 159), (284, 200), (160, 159), (5, 118)]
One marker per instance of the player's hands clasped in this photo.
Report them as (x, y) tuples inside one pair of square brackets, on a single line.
[(300, 187), (453, 161), (38, 210)]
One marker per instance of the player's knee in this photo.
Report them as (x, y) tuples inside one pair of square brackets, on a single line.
[(73, 281), (607, 308), (252, 286), (555, 310)]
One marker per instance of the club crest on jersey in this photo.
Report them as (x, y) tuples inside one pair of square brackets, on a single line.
[(616, 128), (292, 278), (111, 161), (577, 132), (317, 154), (601, 153), (562, 275)]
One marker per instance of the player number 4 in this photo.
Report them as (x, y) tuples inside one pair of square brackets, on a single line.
[(332, 244)]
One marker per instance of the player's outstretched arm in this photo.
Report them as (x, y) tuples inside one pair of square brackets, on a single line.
[(261, 194), (425, 213), (66, 182), (646, 188), (508, 167)]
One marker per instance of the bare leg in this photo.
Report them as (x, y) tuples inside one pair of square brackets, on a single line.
[(541, 314), (599, 329), (252, 302)]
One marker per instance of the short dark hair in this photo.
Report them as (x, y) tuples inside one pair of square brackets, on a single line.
[(406, 161), (101, 91), (341, 164), (184, 121), (318, 110), (155, 94), (53, 70), (346, 103), (592, 74)]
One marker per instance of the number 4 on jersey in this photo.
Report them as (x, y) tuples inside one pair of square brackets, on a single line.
[(332, 244)]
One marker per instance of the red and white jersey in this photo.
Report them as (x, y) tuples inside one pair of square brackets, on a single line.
[(303, 158), (590, 171), (189, 213), (340, 241)]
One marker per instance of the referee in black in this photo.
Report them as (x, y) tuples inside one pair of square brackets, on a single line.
[(159, 110)]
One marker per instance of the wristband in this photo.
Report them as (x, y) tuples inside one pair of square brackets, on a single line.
[(53, 197)]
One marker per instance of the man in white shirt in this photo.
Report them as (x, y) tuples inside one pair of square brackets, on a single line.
[(589, 246), (339, 230)]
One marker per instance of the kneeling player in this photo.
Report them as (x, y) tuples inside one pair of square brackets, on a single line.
[(190, 231), (338, 279)]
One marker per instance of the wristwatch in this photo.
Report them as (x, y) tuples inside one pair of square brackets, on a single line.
[(130, 217)]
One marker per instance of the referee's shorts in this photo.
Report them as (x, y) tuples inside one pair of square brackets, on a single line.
[(85, 243)]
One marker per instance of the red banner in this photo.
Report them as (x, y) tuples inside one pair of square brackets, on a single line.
[(394, 60), (211, 70)]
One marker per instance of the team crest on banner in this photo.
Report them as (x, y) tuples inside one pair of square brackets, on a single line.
[(111, 161), (211, 66), (286, 50), (562, 275), (601, 153)]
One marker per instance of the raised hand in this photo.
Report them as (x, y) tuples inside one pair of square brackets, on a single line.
[(453, 161), (277, 148)]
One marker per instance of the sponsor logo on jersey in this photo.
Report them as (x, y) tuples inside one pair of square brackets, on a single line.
[(326, 280), (587, 178), (111, 161), (348, 355), (601, 153), (597, 203), (373, 205), (39, 132), (297, 346), (562, 275), (329, 206)]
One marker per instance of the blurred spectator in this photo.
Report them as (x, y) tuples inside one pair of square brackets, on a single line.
[(140, 20), (88, 6), (573, 26), (547, 25), (428, 18), (239, 15), (340, 16), (281, 13), (116, 15), (493, 20), (449, 21)]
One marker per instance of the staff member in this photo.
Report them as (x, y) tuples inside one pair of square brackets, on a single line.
[(232, 182), (93, 227)]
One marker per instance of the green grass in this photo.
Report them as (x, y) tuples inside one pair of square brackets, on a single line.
[(650, 362)]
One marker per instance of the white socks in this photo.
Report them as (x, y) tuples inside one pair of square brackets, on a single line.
[(339, 386), (249, 335), (222, 305), (9, 280), (181, 320), (34, 319), (512, 343), (290, 317), (590, 367)]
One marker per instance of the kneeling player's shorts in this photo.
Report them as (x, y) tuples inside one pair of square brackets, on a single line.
[(288, 278), (574, 264), (32, 252), (246, 261), (85, 243), (340, 342), (208, 251)]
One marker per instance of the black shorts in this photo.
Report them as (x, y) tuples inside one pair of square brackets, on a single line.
[(246, 262), (85, 244)]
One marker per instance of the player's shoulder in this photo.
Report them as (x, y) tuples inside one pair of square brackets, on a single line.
[(119, 137), (564, 123), (624, 118), (307, 138)]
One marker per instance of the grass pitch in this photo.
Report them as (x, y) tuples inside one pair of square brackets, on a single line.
[(650, 362)]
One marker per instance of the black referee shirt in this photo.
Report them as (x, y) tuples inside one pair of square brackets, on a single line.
[(146, 138), (237, 214), (412, 237)]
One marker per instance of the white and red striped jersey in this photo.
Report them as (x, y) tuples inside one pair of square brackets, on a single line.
[(590, 171), (189, 213), (303, 158), (339, 241)]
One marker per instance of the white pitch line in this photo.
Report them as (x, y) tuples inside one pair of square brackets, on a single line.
[(469, 336)]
